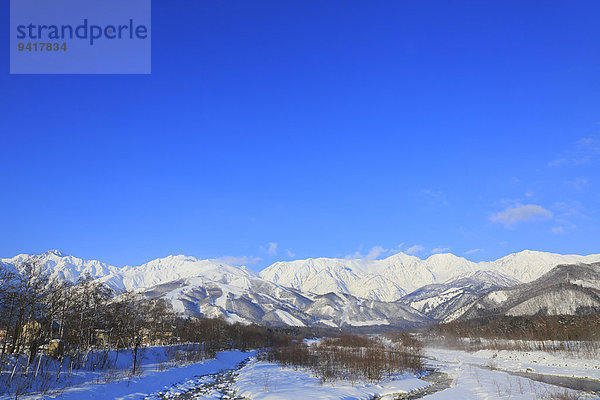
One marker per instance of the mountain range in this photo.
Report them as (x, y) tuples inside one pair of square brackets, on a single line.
[(566, 289), (398, 291), (391, 278)]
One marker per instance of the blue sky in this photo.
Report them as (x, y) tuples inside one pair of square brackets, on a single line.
[(276, 130)]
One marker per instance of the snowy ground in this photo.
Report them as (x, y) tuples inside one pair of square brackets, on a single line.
[(484, 374), (267, 381), (552, 363), (151, 380)]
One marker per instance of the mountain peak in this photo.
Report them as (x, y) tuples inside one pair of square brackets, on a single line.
[(444, 256), (56, 253)]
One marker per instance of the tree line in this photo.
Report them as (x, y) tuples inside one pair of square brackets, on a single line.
[(59, 318), (534, 327)]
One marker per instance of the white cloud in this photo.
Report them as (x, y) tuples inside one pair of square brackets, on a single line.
[(590, 144), (521, 213), (439, 250), (434, 197), (290, 254), (578, 184), (375, 252), (417, 248), (272, 249), (570, 209), (473, 251), (244, 260), (397, 249), (583, 151), (558, 162), (567, 213)]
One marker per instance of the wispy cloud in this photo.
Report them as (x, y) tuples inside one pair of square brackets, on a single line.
[(439, 250), (558, 162), (289, 253), (375, 252), (434, 197), (579, 184), (569, 209), (397, 249), (473, 251), (417, 248), (581, 152), (244, 260), (521, 213), (566, 214), (272, 249)]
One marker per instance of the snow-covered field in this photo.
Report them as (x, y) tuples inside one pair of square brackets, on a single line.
[(549, 363), (267, 381), (484, 374), (156, 373)]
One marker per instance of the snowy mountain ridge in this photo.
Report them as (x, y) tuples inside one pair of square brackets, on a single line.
[(440, 300), (212, 288), (403, 273), (567, 289), (387, 279), (321, 292)]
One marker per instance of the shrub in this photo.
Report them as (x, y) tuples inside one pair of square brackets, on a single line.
[(350, 357)]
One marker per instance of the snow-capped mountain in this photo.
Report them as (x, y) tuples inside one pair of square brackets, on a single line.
[(251, 299), (391, 278), (172, 268), (344, 310), (325, 292), (440, 300), (566, 289), (214, 289), (528, 265), (237, 298), (61, 266)]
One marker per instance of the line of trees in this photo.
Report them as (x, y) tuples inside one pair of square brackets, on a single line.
[(70, 320), (37, 313), (535, 327), (53, 327)]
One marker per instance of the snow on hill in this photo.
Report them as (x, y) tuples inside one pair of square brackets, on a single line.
[(391, 278), (172, 268), (254, 300), (61, 266), (326, 292), (440, 300), (528, 265), (566, 289), (214, 289), (243, 299)]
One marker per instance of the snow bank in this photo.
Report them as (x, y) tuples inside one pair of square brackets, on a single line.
[(151, 380)]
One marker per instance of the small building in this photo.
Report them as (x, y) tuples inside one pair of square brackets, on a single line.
[(101, 337), (56, 348), (31, 331)]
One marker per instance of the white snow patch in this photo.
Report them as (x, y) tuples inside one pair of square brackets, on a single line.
[(288, 318), (498, 296)]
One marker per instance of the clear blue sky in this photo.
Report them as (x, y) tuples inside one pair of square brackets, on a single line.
[(331, 128)]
